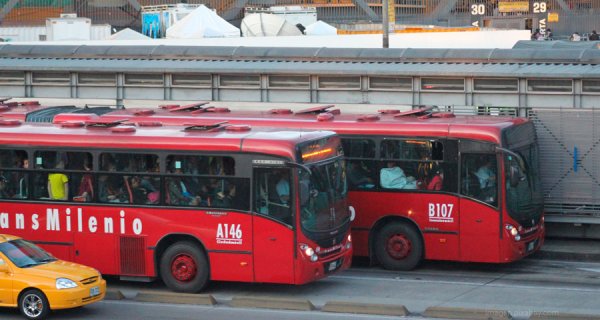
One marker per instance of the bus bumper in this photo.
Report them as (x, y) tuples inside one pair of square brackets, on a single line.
[(324, 267)]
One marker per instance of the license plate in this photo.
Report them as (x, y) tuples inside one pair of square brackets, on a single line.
[(94, 291), (333, 265), (531, 246)]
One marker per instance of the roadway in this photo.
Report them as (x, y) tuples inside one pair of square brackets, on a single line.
[(521, 288)]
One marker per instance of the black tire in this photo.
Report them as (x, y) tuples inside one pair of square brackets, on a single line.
[(34, 305), (184, 267), (398, 246)]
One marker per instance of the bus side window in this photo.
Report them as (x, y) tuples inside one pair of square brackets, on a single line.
[(273, 193)]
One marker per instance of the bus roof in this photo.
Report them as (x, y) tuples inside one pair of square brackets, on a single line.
[(387, 122), (223, 138)]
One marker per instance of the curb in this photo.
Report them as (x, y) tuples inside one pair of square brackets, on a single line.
[(561, 316), (466, 313), (114, 295), (567, 256), (272, 303), (176, 298), (365, 308)]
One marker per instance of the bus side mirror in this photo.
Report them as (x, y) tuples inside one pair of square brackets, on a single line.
[(514, 177), (304, 192)]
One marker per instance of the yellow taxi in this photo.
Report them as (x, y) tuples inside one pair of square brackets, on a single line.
[(36, 282)]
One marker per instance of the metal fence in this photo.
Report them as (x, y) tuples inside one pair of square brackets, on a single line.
[(563, 16)]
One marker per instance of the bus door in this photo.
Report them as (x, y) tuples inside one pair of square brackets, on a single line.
[(273, 225), (479, 213)]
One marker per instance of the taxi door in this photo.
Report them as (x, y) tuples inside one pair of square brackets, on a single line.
[(6, 283), (273, 226)]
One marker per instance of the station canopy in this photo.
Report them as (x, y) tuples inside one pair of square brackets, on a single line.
[(202, 23), (267, 25), (320, 28), (128, 34)]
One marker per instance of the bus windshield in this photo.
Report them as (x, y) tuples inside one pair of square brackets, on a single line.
[(323, 197), (524, 199)]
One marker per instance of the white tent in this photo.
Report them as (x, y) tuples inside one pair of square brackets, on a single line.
[(128, 34), (267, 25), (320, 28), (202, 23)]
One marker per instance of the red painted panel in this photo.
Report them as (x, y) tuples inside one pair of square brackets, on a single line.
[(479, 232), (231, 267), (273, 251)]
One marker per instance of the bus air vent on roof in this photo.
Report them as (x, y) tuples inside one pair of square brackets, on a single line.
[(104, 123), (168, 106), (10, 104), (415, 112), (29, 103), (3, 100), (150, 124), (204, 126), (9, 122), (326, 116), (437, 115), (72, 124), (238, 128), (211, 109), (368, 117), (317, 109), (389, 111), (143, 112), (123, 129), (280, 111), (188, 107)]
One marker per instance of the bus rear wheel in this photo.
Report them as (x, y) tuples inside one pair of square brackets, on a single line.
[(398, 246), (184, 267)]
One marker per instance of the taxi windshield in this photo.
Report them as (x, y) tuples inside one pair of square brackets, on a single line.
[(25, 254)]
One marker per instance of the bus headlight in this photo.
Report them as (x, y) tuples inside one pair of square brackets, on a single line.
[(513, 231), (309, 252), (349, 242)]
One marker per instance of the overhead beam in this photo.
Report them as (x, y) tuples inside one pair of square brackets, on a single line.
[(7, 8), (365, 7)]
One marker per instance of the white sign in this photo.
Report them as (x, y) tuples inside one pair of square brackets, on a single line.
[(441, 212)]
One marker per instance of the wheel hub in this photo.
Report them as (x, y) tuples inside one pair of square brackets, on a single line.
[(398, 246), (184, 268), (33, 306)]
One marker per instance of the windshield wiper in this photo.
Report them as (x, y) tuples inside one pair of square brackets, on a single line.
[(29, 265)]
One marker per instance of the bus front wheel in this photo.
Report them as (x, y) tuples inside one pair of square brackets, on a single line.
[(184, 267), (398, 246)]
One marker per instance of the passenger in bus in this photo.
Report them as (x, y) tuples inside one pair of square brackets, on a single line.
[(226, 199), (487, 180), (3, 188), (393, 177), (138, 193), (358, 176), (85, 191), (178, 192), (283, 188), (437, 182), (58, 183), (111, 189), (23, 182)]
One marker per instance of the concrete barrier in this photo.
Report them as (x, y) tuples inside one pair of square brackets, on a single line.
[(466, 313), (365, 308), (113, 294), (562, 316), (176, 298), (272, 303)]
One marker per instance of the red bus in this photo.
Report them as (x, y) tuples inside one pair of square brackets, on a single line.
[(188, 205), (425, 185)]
